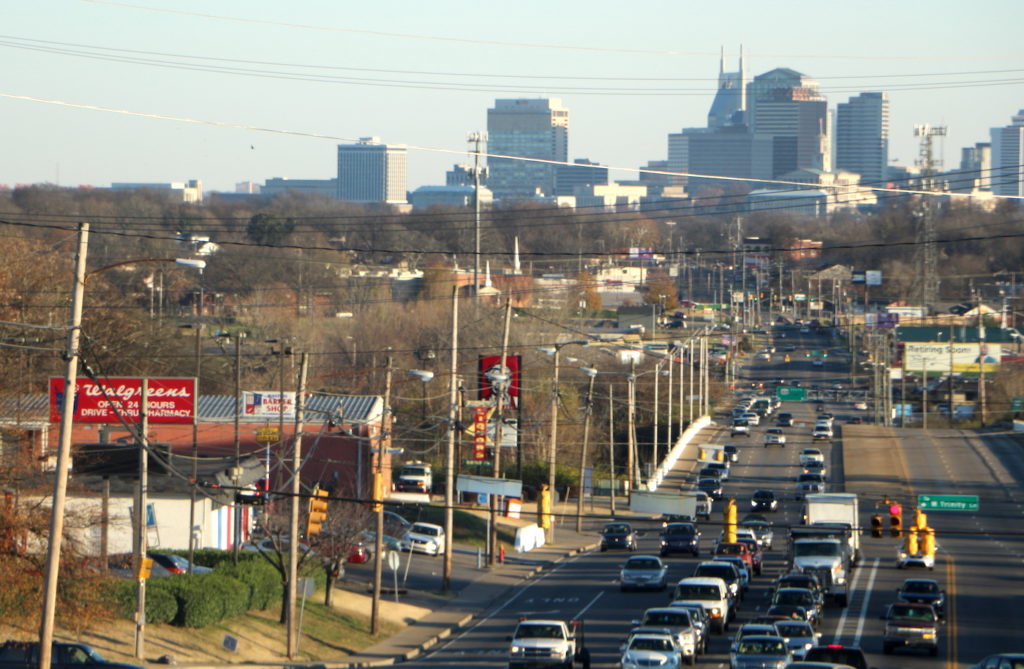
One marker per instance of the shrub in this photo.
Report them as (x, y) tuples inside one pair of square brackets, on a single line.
[(261, 580), (161, 604)]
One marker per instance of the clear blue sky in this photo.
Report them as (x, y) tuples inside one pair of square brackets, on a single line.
[(609, 62)]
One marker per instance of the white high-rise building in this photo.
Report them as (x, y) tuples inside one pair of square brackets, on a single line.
[(528, 128), (862, 136), (1008, 157), (372, 172)]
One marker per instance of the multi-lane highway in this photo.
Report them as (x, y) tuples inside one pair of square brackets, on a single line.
[(980, 561)]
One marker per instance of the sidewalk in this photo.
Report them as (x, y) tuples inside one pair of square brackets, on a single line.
[(489, 586)]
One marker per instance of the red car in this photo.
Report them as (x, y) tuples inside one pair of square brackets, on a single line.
[(739, 549), (756, 555)]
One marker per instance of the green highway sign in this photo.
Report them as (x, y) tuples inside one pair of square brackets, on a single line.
[(1017, 404), (947, 502), (791, 394)]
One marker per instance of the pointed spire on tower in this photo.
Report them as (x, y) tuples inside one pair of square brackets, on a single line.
[(517, 269)]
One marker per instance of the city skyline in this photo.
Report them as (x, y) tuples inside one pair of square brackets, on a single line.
[(425, 78)]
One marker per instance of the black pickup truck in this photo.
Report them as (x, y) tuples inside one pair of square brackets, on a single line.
[(25, 655)]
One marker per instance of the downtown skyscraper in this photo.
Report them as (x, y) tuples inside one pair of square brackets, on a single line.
[(862, 136), (526, 128)]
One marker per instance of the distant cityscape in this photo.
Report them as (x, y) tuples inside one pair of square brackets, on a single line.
[(770, 142)]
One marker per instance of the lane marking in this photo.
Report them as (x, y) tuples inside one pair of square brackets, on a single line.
[(579, 616), (951, 632), (837, 636), (864, 604)]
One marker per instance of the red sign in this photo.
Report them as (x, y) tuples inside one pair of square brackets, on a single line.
[(492, 363), (167, 400), (480, 433)]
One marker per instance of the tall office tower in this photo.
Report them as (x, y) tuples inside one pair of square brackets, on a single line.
[(975, 168), (730, 101), (580, 173), (862, 136), (787, 108), (372, 172), (528, 128), (1008, 157)]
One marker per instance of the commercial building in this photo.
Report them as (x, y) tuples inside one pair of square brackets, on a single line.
[(450, 196), (281, 185), (370, 171), (581, 173), (862, 136), (975, 168), (1008, 157), (190, 192), (787, 108), (527, 128)]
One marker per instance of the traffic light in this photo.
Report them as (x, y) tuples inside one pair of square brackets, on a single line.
[(910, 544), (927, 541), (895, 520), (544, 506), (317, 512), (378, 492), (145, 568), (876, 526)]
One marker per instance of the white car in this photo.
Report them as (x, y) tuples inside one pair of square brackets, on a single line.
[(811, 455), (860, 406), (652, 650), (424, 538), (822, 433), (773, 436), (751, 418)]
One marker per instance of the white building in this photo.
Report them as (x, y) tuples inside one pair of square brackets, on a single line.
[(370, 171)]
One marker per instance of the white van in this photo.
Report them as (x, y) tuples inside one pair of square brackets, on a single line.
[(712, 594)]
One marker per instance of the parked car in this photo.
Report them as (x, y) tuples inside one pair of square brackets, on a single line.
[(167, 564)]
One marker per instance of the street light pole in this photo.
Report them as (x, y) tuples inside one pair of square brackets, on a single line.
[(588, 411)]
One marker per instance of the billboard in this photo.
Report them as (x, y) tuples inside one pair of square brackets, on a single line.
[(269, 404), (492, 363), (966, 358), (113, 400)]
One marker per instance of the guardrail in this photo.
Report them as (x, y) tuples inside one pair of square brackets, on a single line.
[(677, 451)]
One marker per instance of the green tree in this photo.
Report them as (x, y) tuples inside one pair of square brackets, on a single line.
[(269, 229)]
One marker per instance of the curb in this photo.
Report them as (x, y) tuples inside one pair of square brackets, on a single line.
[(462, 623)]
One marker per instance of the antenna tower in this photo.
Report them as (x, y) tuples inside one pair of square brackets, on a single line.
[(927, 251)]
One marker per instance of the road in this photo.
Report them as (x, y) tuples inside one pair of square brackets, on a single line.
[(980, 564)]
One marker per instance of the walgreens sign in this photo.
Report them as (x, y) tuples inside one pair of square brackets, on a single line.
[(167, 400)]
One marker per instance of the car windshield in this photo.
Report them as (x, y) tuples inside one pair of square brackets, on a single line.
[(761, 647), (616, 529), (539, 632), (912, 613), (809, 548), (726, 572), (764, 495), (643, 563), (731, 549), (795, 629), (426, 529), (792, 597), (921, 587), (679, 531), (667, 619), (650, 643), (698, 592)]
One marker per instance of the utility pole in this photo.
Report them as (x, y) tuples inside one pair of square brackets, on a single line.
[(476, 138), (142, 521), (588, 411), (449, 476), (71, 356), (611, 451), (293, 532), (238, 437), (631, 432), (378, 500), (193, 488), (492, 540)]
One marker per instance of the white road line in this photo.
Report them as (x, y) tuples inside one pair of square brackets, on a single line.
[(579, 616), (864, 604), (837, 636)]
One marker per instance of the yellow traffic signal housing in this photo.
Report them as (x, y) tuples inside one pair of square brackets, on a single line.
[(927, 541), (730, 515), (145, 568), (317, 513), (895, 523), (378, 491), (910, 543), (544, 507), (920, 519), (876, 526)]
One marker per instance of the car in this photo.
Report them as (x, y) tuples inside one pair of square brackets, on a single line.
[(755, 652), (754, 546), (774, 436), (752, 418), (809, 483), (800, 664), (811, 455), (763, 355), (1001, 661), (818, 362), (821, 433), (825, 417), (709, 472), (736, 548), (701, 621), (741, 567), (836, 653), (643, 572), (816, 467), (651, 650), (752, 629), (784, 419), (854, 420), (680, 538), (269, 545), (425, 538), (762, 530), (803, 598), (167, 564), (740, 426), (711, 487), (725, 571), (722, 467), (799, 635), (923, 591), (712, 594), (395, 525), (25, 655), (764, 500), (732, 452), (803, 579), (618, 535), (860, 406), (679, 622), (911, 626), (920, 559)]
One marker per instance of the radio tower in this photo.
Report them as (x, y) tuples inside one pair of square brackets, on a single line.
[(927, 252)]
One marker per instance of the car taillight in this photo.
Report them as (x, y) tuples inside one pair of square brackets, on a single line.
[(176, 570)]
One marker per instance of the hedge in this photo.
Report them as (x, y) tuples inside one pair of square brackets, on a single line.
[(161, 605), (262, 580)]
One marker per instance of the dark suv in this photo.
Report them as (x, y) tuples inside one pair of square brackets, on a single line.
[(680, 538)]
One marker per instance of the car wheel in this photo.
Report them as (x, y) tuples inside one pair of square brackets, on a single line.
[(696, 553), (933, 651), (604, 548)]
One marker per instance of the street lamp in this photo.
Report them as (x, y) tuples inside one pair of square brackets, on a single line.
[(57, 510), (554, 352)]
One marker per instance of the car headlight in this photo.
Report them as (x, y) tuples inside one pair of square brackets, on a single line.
[(559, 652), (517, 650), (716, 612), (929, 635)]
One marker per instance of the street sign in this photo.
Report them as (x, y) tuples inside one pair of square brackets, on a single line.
[(1017, 403), (791, 393), (393, 560), (267, 434), (947, 502)]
